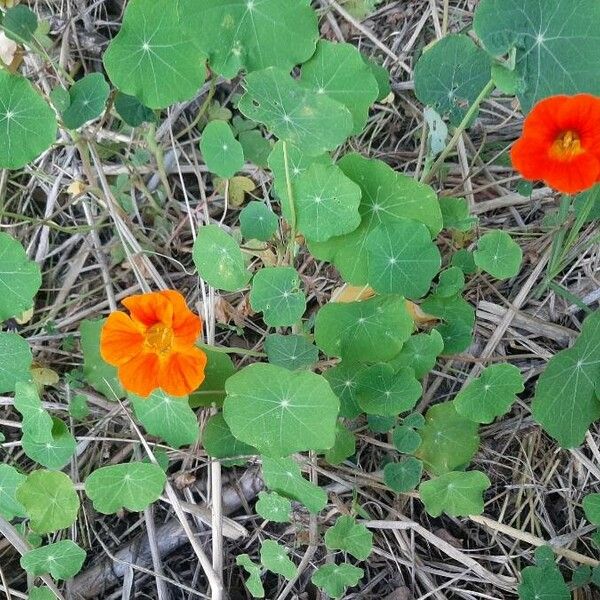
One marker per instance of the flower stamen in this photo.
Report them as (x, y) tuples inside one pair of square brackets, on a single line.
[(159, 339), (566, 145)]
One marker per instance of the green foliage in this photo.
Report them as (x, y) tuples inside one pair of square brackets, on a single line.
[(498, 254), (132, 111), (152, 57), (37, 423), (457, 493), (313, 122), (334, 579), (279, 411), (10, 480), (343, 448), (78, 407), (566, 395), (343, 380), (273, 507), (133, 486), (449, 440), (16, 361), (52, 449), (41, 593), (591, 507), (379, 424), (420, 352), (274, 557), (450, 282), (369, 331), (451, 75), (218, 441), (382, 76), (240, 35), (463, 259), (222, 153), (49, 499), (405, 439), (294, 352), (543, 581), (256, 147), (27, 124), (276, 292), (219, 260), (282, 475), (258, 221), (62, 560), (555, 43), (20, 278), (219, 367), (253, 583), (455, 214), (87, 99), (490, 395), (403, 476), (167, 417), (19, 24), (351, 537)]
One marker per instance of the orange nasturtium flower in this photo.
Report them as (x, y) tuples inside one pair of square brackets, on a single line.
[(560, 143), (154, 346)]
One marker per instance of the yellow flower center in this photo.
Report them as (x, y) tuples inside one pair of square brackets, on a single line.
[(159, 339), (567, 145)]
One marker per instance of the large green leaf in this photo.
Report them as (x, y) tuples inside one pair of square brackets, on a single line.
[(280, 411), (10, 480), (258, 221), (16, 361), (152, 57), (20, 278), (62, 560), (556, 43), (27, 124), (403, 476)]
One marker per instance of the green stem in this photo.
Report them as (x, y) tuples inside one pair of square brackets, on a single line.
[(291, 205)]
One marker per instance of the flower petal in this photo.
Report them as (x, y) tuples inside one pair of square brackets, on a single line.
[(120, 339), (140, 375), (574, 176), (182, 372), (150, 309), (186, 325)]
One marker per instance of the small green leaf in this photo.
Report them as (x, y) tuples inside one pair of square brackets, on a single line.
[(490, 395), (463, 259), (498, 254), (351, 537), (273, 507), (88, 98), (382, 76), (455, 214), (294, 352), (41, 593), (20, 278), (52, 453), (450, 282), (10, 480), (133, 486), (449, 440), (62, 560), (406, 439), (258, 221), (16, 361), (280, 411), (403, 476), (415, 420), (313, 122), (222, 153), (20, 23), (420, 352), (253, 583), (276, 292), (282, 475), (152, 57), (457, 493), (167, 417), (274, 558), (37, 423), (78, 407), (458, 318), (132, 111), (343, 448), (591, 507), (544, 581), (219, 367), (343, 380), (369, 331), (219, 259), (334, 579), (379, 424), (218, 441), (506, 80), (256, 147), (50, 500)]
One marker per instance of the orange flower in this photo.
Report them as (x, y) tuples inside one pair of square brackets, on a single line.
[(154, 346), (560, 143)]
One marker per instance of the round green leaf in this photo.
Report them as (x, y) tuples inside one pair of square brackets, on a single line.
[(274, 557), (379, 424), (41, 593), (10, 480), (62, 560), (315, 123), (420, 352), (251, 34), (133, 486), (258, 221), (591, 507), (219, 367), (152, 57), (334, 579), (219, 259), (273, 507), (53, 453), (16, 361), (37, 423), (498, 254), (222, 153), (405, 439), (20, 23), (218, 441), (351, 537), (50, 500), (402, 259), (276, 292), (450, 282), (455, 213), (403, 476), (27, 124), (88, 98), (294, 352), (280, 411), (132, 111), (256, 147), (20, 278), (343, 380)]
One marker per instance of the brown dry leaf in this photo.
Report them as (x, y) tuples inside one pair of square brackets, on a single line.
[(225, 312), (184, 480), (262, 251), (238, 188), (418, 316), (8, 49), (8, 3), (350, 293)]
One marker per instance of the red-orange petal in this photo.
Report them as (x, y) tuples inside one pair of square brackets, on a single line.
[(140, 375), (120, 339), (149, 309), (574, 176), (182, 372), (186, 325)]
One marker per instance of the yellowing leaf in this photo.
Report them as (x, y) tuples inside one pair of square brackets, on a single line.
[(25, 316), (43, 376), (418, 315), (352, 293), (238, 188)]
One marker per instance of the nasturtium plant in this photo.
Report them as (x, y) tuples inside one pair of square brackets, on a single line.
[(344, 446), (152, 57), (457, 493), (343, 379), (251, 34), (87, 99), (403, 476), (420, 353), (219, 367), (54, 451), (294, 352), (455, 214), (274, 557), (219, 260), (591, 507), (36, 422), (276, 293), (49, 499), (450, 282), (279, 411), (258, 221), (490, 395), (253, 582), (20, 23), (20, 278), (221, 152), (218, 441), (10, 480), (498, 254), (16, 361), (132, 111), (451, 74), (543, 581), (273, 507), (406, 439), (27, 123), (133, 486), (41, 593), (256, 147), (351, 537), (62, 560), (334, 578)]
